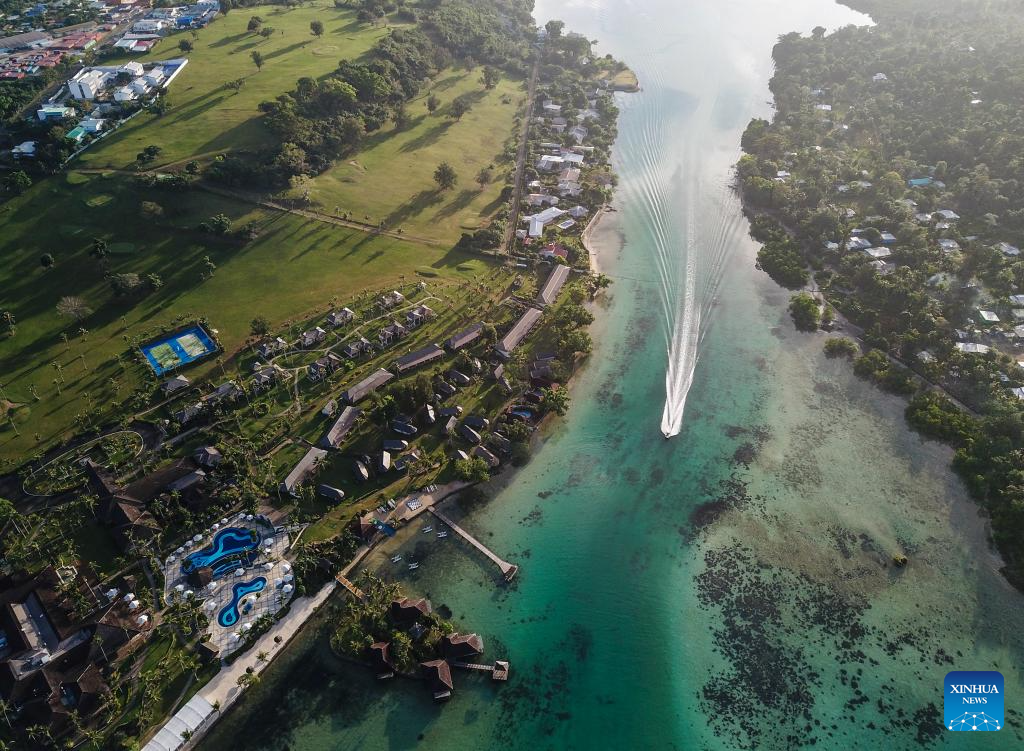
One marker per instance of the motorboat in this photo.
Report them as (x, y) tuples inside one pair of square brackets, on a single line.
[(442, 535), (396, 558), (427, 530), (413, 566)]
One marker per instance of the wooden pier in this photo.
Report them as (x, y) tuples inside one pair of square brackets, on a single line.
[(499, 670), (508, 570), (352, 588)]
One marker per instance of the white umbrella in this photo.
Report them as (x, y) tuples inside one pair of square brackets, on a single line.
[(133, 605), (235, 636), (268, 565), (179, 551), (142, 620), (111, 594), (210, 605), (197, 538), (189, 594), (248, 517), (239, 571), (286, 566), (269, 542), (179, 588), (216, 526), (288, 577), (246, 627), (223, 521), (278, 582), (128, 597), (211, 586), (288, 588)]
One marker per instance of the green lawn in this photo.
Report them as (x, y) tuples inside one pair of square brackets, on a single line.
[(293, 267), (205, 118), (391, 179)]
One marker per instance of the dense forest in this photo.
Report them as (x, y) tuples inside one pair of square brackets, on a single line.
[(321, 121), (892, 173)]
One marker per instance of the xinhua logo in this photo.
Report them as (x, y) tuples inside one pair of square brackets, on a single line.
[(974, 700)]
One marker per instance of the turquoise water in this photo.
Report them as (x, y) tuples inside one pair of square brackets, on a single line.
[(731, 587)]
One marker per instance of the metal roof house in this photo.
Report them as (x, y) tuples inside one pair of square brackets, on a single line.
[(420, 357), (367, 386), (553, 285), (340, 428), (302, 470), (518, 332), (464, 338)]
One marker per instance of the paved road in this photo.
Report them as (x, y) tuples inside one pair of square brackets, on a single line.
[(517, 190)]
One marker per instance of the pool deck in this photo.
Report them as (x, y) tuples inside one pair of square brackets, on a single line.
[(220, 593)]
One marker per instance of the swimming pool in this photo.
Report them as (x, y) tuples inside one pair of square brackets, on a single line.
[(231, 547), (229, 615), (177, 349)]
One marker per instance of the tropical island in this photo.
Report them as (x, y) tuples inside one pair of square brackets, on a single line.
[(886, 194), (279, 278)]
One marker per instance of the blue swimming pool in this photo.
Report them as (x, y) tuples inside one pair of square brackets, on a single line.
[(177, 349), (229, 614), (231, 547)]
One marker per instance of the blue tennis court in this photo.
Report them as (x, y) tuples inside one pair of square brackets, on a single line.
[(178, 349)]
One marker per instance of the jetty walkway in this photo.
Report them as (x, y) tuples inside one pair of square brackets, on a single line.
[(508, 570), (352, 588)]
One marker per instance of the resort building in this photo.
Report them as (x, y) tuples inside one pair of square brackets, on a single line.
[(556, 280), (464, 338), (340, 428), (306, 466), (518, 332), (413, 360), (367, 386)]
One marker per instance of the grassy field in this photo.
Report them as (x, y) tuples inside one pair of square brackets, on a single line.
[(205, 118), (295, 265), (391, 178)]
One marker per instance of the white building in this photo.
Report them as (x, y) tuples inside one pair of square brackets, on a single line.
[(88, 82)]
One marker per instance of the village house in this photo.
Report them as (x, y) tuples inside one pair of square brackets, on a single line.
[(541, 199), (175, 383), (578, 133), (208, 457), (323, 367), (550, 108), (416, 317), (228, 391), (271, 347), (391, 333), (312, 337), (1011, 251), (266, 377), (338, 318), (548, 162), (391, 299), (357, 348), (552, 251), (188, 413), (578, 212)]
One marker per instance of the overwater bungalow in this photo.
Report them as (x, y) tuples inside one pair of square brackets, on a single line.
[(439, 679)]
